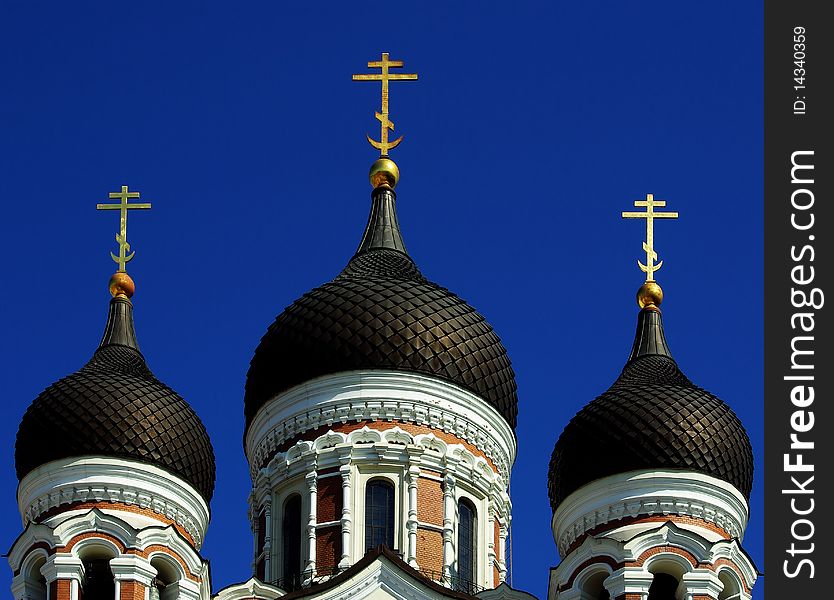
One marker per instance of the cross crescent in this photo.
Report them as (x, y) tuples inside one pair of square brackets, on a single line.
[(123, 206), (648, 246)]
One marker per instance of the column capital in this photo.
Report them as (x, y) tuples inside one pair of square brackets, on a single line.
[(702, 582), (186, 589), (130, 567), (629, 580), (62, 566)]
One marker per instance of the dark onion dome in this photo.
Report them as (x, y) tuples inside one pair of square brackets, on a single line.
[(652, 417), (114, 406), (381, 313)]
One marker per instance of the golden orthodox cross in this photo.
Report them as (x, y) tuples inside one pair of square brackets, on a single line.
[(383, 145), (650, 215), (125, 255)]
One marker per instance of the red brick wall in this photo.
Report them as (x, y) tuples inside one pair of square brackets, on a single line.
[(429, 501), (329, 499), (328, 547), (430, 549), (131, 590)]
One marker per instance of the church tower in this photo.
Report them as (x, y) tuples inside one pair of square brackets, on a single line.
[(649, 483), (380, 414), (116, 473)]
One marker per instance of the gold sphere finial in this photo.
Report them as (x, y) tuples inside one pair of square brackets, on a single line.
[(384, 172), (650, 295), (122, 285)]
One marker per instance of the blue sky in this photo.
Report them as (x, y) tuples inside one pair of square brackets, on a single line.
[(533, 125)]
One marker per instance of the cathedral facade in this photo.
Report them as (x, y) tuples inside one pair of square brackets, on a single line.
[(380, 412)]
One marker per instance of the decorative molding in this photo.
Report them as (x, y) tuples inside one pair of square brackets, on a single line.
[(379, 396), (132, 568), (371, 446), (106, 479), (638, 557), (105, 527), (649, 492), (249, 590), (387, 450)]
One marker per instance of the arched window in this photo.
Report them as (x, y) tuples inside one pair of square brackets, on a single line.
[(379, 514), (165, 586), (663, 587), (291, 543), (594, 587), (732, 587), (98, 581), (35, 582), (467, 545)]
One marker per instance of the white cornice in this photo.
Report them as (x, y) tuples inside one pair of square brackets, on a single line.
[(646, 493), (249, 590), (590, 558), (380, 396), (386, 445), (106, 479), (96, 521)]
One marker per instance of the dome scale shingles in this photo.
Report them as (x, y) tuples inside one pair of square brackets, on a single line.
[(381, 313), (115, 406), (652, 417)]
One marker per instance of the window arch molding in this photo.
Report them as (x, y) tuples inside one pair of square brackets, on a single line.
[(669, 564), (733, 586), (95, 554), (169, 572), (30, 568), (381, 507), (294, 492), (467, 543), (590, 581), (465, 492)]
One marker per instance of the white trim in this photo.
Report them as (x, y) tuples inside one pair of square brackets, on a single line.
[(379, 396), (97, 521), (253, 588), (637, 579), (364, 475), (132, 568), (649, 492), (297, 488), (388, 451), (117, 480)]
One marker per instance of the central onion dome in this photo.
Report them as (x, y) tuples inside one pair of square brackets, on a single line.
[(381, 313), (114, 406), (652, 417)]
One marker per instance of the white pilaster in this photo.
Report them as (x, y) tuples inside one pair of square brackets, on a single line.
[(268, 538), (345, 472), (312, 520), (492, 551), (412, 476), (449, 510)]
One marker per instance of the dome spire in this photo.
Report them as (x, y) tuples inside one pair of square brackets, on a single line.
[(384, 172), (120, 329), (383, 229), (649, 339)]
